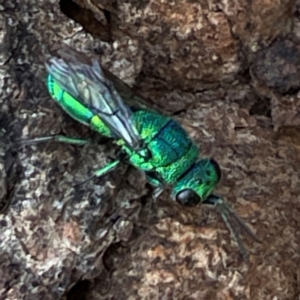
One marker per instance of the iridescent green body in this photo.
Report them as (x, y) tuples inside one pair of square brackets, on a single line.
[(172, 152), (153, 143), (75, 109)]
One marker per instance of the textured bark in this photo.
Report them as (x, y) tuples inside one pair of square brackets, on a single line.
[(194, 44), (230, 71)]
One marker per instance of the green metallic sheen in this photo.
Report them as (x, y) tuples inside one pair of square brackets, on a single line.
[(201, 178), (151, 142), (75, 109), (172, 151)]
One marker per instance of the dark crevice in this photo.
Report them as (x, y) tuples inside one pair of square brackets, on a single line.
[(87, 19), (79, 291), (179, 112), (109, 257), (13, 173), (244, 76), (291, 91), (261, 107)]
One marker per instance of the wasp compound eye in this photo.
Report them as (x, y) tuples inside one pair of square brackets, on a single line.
[(188, 197), (217, 168)]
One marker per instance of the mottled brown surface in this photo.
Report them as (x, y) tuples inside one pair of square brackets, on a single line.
[(277, 67), (107, 235), (194, 44)]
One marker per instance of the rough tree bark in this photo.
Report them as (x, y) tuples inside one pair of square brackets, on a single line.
[(230, 70)]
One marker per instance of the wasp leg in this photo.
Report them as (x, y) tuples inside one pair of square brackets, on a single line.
[(107, 169), (120, 156), (226, 211), (157, 192), (103, 171), (157, 183), (54, 138)]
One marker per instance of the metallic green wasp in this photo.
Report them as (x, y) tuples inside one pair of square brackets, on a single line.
[(153, 143)]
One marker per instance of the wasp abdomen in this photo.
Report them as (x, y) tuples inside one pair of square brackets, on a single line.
[(76, 109)]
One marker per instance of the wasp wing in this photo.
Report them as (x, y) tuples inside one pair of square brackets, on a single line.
[(86, 82)]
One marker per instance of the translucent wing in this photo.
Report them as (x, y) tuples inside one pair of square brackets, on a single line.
[(86, 82)]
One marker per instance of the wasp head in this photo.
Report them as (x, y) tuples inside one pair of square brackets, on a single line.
[(197, 183)]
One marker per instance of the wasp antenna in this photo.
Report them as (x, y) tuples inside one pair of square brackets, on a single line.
[(223, 210), (241, 222), (85, 181)]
